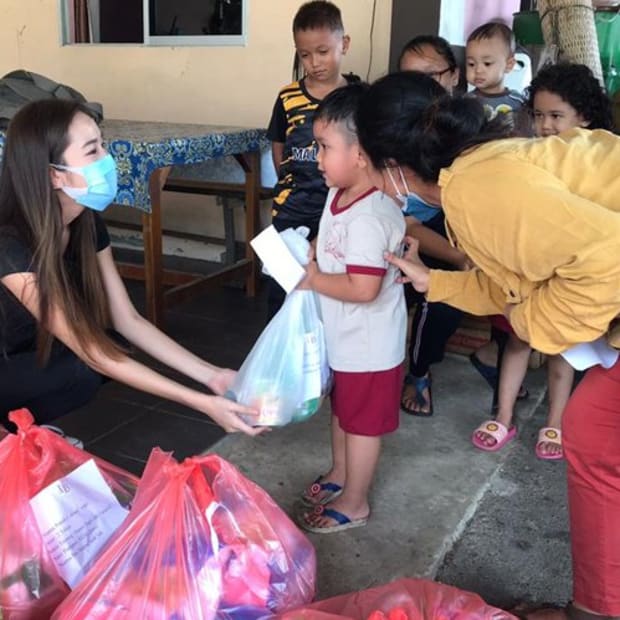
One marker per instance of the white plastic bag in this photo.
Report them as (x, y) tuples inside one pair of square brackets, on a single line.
[(286, 374)]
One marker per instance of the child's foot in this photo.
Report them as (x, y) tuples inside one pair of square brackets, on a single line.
[(417, 398), (321, 491), (334, 517), (549, 444), (493, 435)]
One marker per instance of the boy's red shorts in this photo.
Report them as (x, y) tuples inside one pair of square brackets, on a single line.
[(368, 403)]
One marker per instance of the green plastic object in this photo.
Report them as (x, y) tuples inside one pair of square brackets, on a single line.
[(527, 28), (307, 409), (607, 23)]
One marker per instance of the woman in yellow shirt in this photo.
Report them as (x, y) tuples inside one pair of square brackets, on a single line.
[(540, 220)]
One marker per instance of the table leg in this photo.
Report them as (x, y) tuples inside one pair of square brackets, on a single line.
[(250, 162), (152, 239)]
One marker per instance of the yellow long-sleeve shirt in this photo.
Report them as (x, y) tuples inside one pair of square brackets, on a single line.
[(540, 219)]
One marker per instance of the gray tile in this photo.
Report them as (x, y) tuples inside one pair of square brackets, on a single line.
[(183, 411), (98, 418), (130, 464), (116, 391), (168, 431)]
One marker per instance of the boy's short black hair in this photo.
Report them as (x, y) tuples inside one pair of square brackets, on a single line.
[(494, 29), (316, 15), (340, 107)]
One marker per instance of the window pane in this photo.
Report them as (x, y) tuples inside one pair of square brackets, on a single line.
[(195, 17), (121, 21), (103, 21)]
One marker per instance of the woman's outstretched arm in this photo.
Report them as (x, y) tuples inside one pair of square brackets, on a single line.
[(127, 370)]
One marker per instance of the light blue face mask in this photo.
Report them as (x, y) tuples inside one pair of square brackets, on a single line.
[(101, 180), (418, 208), (411, 203)]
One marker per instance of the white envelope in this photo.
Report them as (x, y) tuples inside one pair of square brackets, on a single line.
[(278, 259)]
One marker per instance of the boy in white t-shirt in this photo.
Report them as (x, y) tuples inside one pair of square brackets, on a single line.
[(364, 315)]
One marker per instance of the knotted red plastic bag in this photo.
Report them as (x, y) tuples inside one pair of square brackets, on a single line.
[(404, 599), (201, 542), (31, 460)]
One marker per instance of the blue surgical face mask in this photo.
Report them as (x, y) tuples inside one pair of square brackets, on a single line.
[(411, 203), (101, 180), (418, 208)]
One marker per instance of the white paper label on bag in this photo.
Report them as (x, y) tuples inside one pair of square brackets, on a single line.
[(278, 259), (312, 366), (76, 516)]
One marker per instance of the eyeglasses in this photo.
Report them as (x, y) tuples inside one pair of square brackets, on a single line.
[(436, 75)]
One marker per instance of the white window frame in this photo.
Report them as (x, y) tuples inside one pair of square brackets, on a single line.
[(207, 40)]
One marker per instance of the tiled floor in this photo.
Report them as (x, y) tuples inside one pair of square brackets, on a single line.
[(122, 425)]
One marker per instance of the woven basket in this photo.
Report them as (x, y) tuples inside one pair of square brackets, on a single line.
[(569, 24)]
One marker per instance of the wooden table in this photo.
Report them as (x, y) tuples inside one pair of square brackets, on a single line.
[(144, 153)]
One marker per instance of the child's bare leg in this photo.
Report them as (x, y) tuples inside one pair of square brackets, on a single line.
[(514, 367), (560, 376), (487, 353), (362, 456), (337, 472)]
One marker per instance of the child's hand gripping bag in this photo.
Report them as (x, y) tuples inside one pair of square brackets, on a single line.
[(32, 462), (404, 599), (286, 374)]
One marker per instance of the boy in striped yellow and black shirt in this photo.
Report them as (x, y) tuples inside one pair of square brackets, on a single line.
[(300, 193)]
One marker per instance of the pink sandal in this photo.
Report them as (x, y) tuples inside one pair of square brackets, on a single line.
[(548, 434), (497, 431)]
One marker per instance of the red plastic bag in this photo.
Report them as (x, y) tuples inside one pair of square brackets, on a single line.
[(404, 599), (31, 460), (201, 542)]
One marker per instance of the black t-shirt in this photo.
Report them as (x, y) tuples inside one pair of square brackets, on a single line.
[(301, 191), (18, 328)]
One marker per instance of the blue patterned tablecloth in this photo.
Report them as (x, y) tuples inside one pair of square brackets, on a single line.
[(140, 147)]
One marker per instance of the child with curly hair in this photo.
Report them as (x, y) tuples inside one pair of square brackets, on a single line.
[(561, 97)]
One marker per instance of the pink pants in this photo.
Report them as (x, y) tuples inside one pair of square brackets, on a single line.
[(591, 433)]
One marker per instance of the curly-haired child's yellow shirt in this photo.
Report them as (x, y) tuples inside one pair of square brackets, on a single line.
[(540, 218)]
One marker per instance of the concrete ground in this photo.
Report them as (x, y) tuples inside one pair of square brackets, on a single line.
[(493, 523)]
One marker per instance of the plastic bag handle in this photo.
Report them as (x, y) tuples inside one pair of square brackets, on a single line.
[(209, 512), (22, 418)]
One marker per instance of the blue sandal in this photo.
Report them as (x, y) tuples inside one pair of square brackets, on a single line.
[(343, 522), (332, 490), (419, 384)]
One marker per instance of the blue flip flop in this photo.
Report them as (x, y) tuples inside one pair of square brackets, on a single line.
[(420, 384), (342, 521), (317, 487)]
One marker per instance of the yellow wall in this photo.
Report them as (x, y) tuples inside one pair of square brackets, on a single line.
[(190, 84), (226, 85)]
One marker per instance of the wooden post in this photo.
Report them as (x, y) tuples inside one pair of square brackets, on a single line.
[(250, 162), (153, 265)]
